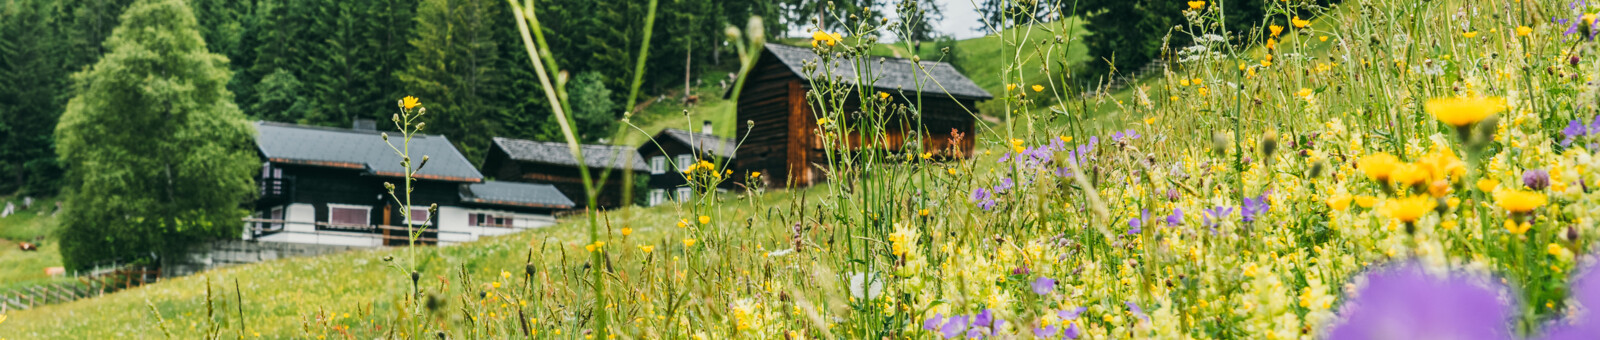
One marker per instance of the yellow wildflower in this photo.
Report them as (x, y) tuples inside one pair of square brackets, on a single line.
[(627, 231), (1197, 5), (883, 95), (1275, 29), (1378, 166), (1408, 174), (409, 102), (1523, 31), (1339, 202), (1461, 112), (688, 242), (1366, 201), (705, 219), (1487, 185), (1517, 229), (647, 249), (1553, 249), (1519, 201), (825, 38), (1298, 23), (1409, 209), (1038, 88), (1469, 34), (683, 223)]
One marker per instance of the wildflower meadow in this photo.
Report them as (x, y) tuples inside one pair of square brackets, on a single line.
[(1359, 169)]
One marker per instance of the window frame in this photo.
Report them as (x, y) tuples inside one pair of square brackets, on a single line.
[(657, 196), (685, 161), (425, 216), (658, 165), (684, 194), (366, 212)]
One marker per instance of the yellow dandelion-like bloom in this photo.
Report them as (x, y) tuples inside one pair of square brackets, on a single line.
[(1322, 38), (627, 231), (1378, 166), (1275, 30), (1517, 229), (1461, 112), (1183, 82), (1197, 5), (647, 249), (1366, 201), (883, 95), (820, 37), (1011, 87), (1523, 31), (1408, 174), (505, 274), (1304, 93), (688, 242), (683, 223), (1469, 34), (705, 219), (1409, 209), (822, 121), (409, 102), (1553, 249), (1339, 202), (1299, 23), (1487, 185), (1066, 139), (1519, 201), (1038, 88)]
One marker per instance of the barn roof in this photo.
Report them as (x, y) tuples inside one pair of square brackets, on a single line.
[(893, 74), (360, 149), (556, 153), (515, 194), (702, 143)]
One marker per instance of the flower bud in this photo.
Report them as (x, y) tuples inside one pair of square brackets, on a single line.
[(732, 33), (1536, 179), (1269, 143), (420, 125), (1219, 143), (756, 30), (528, 269)]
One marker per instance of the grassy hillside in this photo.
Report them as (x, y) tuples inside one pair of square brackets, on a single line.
[(21, 268)]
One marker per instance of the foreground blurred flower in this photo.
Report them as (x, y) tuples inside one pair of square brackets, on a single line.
[(1254, 207), (1197, 4), (1404, 302), (820, 37), (1460, 112), (1518, 201), (1586, 290), (1536, 179)]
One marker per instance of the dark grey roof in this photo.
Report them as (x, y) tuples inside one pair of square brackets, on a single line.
[(515, 194), (894, 74), (360, 149), (557, 153), (702, 143)]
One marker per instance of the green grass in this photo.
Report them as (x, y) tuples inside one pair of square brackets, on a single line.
[(284, 298), (21, 268)]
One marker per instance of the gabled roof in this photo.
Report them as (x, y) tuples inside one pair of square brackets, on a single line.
[(515, 194), (700, 142), (360, 149), (556, 153), (892, 75)]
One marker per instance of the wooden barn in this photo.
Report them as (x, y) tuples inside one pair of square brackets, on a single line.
[(552, 163), (672, 151), (784, 146)]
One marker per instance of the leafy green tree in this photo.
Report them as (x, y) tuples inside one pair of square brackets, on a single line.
[(279, 98), (157, 155), (454, 64), (592, 108)]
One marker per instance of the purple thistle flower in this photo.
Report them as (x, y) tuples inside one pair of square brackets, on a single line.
[(1254, 207), (1536, 179), (1404, 302), (1176, 218), (1020, 270), (1044, 285)]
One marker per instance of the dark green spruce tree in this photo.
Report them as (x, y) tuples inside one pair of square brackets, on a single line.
[(34, 78), (453, 66), (157, 155)]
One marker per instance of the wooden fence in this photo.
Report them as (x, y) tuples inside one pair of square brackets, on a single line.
[(98, 282)]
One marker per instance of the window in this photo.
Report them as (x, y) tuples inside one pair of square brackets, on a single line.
[(685, 161), (276, 215), (658, 165), (488, 220), (419, 215), (351, 215), (684, 194), (657, 196)]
